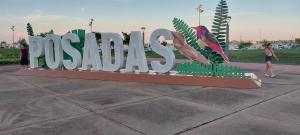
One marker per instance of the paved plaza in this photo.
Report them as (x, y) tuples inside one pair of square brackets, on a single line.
[(57, 106)]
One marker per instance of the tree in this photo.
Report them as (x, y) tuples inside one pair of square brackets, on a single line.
[(98, 37), (29, 30), (297, 40), (126, 38), (220, 23), (243, 45), (51, 31), (23, 42), (164, 43), (3, 44), (43, 34), (265, 42)]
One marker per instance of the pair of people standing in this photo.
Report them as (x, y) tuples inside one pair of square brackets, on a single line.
[(269, 55)]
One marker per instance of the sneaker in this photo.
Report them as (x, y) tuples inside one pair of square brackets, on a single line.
[(273, 76), (266, 75)]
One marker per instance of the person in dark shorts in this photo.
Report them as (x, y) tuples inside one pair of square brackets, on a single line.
[(269, 55), (24, 56)]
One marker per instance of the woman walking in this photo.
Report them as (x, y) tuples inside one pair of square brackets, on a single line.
[(24, 56), (268, 59)]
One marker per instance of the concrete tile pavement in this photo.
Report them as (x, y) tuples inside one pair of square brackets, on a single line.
[(163, 115), (88, 124), (244, 124), (45, 106)]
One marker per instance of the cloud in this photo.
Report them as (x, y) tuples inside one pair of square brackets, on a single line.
[(120, 0), (38, 12), (40, 23), (83, 9)]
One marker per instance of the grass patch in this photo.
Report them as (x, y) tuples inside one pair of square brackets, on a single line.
[(288, 57), (152, 54), (9, 56)]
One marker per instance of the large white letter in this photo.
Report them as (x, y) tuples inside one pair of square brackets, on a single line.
[(74, 53), (136, 53), (53, 41), (36, 49), (107, 39), (91, 56), (163, 51)]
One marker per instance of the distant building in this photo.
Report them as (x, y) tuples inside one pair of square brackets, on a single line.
[(13, 45), (234, 42), (233, 47)]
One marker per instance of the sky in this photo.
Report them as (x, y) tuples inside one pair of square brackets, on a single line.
[(251, 19)]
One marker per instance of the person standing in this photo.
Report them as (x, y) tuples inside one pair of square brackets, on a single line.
[(24, 56), (269, 55)]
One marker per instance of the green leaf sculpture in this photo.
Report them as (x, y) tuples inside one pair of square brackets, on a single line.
[(216, 70), (190, 36), (220, 23)]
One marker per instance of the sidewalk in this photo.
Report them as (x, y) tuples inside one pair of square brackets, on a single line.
[(58, 106), (289, 69)]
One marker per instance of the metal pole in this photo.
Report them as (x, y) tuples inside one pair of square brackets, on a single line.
[(227, 33), (144, 38), (91, 24), (13, 32), (227, 40), (13, 36), (143, 29), (199, 17), (200, 10), (227, 36)]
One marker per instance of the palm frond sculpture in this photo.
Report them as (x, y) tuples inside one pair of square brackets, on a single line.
[(191, 39), (220, 22)]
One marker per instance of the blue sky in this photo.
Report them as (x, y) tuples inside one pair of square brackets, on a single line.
[(251, 19)]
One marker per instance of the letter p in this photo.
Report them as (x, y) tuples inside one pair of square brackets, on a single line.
[(36, 49)]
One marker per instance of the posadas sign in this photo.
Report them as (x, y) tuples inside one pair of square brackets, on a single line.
[(197, 44), (54, 46)]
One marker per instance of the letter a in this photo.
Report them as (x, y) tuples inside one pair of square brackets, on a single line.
[(136, 53), (91, 56)]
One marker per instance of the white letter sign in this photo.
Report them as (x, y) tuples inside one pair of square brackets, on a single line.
[(163, 51), (91, 56), (107, 39), (36, 49), (136, 53), (75, 54), (52, 44)]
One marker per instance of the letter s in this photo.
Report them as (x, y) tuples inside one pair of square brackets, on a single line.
[(162, 50)]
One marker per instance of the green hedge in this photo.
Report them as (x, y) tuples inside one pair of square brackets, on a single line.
[(9, 56), (9, 61)]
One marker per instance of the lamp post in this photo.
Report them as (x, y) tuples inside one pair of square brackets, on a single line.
[(227, 35), (13, 32), (143, 29), (200, 10), (91, 24)]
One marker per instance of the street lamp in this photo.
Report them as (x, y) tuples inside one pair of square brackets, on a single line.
[(143, 29), (13, 32), (227, 35), (200, 10), (91, 24)]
